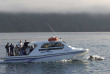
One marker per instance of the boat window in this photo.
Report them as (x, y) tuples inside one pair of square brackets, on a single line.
[(35, 45), (32, 46), (59, 44), (52, 44)]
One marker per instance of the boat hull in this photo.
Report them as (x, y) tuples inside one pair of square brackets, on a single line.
[(45, 58)]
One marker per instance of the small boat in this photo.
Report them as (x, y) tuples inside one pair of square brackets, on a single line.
[(50, 50)]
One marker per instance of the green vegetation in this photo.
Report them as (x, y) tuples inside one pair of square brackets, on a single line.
[(59, 22)]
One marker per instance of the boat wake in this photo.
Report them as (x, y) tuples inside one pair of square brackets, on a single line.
[(1, 61), (64, 60), (95, 57)]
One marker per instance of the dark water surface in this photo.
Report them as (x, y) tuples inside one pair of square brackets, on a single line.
[(97, 42)]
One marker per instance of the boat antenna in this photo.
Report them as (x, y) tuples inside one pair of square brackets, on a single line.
[(52, 29)]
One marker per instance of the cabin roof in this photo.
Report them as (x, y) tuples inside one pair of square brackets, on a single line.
[(41, 42)]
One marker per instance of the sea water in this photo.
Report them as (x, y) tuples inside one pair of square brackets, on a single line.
[(98, 43)]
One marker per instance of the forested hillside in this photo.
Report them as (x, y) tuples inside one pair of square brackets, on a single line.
[(59, 22)]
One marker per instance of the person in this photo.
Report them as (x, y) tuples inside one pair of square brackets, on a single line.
[(11, 49), (23, 50), (16, 50), (20, 52), (20, 44), (31, 49), (7, 48), (26, 44)]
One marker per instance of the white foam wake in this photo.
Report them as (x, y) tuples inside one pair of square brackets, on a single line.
[(95, 57), (1, 61)]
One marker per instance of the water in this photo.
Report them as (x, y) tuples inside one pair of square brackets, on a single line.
[(97, 42)]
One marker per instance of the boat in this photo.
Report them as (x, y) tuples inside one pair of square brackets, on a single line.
[(50, 50)]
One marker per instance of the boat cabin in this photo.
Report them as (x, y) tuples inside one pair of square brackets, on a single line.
[(42, 46), (45, 46)]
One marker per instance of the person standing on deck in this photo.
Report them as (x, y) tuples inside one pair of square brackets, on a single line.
[(11, 49), (26, 44), (20, 45), (7, 48), (16, 50)]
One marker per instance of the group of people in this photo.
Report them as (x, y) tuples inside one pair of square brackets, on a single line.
[(20, 49)]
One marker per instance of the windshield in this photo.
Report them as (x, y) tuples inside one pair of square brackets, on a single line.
[(52, 44)]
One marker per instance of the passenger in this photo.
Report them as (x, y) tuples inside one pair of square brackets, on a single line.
[(7, 49), (11, 49), (16, 49), (26, 44), (31, 49), (20, 45), (23, 50), (20, 52)]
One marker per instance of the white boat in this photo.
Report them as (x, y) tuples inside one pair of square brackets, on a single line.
[(51, 50)]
